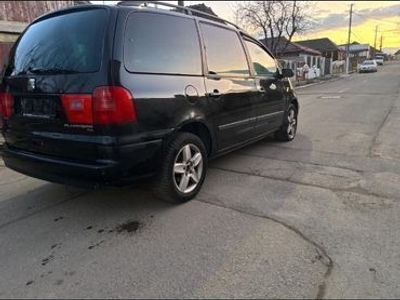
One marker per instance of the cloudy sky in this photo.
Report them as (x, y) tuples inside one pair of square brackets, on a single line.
[(330, 19)]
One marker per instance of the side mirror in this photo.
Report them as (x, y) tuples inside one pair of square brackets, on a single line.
[(287, 73)]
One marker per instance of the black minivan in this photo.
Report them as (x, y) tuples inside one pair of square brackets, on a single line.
[(101, 95)]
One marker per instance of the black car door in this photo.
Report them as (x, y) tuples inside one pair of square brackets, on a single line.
[(269, 104), (229, 86)]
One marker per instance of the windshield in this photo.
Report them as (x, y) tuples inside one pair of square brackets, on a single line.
[(368, 62), (68, 43)]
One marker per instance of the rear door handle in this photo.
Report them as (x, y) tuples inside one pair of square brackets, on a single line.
[(215, 93)]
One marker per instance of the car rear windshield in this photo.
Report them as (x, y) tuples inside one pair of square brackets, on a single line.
[(67, 43)]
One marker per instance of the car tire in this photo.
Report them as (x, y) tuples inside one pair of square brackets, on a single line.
[(289, 127), (183, 169)]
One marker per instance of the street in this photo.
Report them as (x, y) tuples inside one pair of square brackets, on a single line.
[(317, 217)]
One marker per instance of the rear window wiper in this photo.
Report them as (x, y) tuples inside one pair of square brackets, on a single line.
[(51, 71)]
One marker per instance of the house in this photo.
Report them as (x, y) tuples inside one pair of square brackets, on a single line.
[(204, 8), (281, 47), (397, 54), (361, 51), (15, 16), (298, 58), (328, 48), (294, 56)]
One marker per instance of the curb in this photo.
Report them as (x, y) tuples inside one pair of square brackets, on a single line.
[(319, 82)]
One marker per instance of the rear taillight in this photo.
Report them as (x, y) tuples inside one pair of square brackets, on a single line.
[(108, 105), (78, 108), (6, 104), (113, 105)]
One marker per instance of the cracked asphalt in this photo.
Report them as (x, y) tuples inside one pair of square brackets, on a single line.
[(315, 218)]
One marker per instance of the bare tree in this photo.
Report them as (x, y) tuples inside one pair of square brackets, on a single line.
[(274, 19)]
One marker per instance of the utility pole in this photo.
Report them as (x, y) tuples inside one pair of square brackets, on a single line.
[(380, 46), (348, 41), (376, 34)]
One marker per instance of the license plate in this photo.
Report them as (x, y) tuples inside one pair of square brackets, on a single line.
[(38, 107)]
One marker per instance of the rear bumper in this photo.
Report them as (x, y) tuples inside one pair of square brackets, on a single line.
[(133, 164)]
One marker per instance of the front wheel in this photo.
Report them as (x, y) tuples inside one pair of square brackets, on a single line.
[(289, 127), (183, 169)]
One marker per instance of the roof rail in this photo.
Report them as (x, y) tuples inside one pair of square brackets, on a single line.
[(183, 9)]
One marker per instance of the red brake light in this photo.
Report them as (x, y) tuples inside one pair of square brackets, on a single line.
[(6, 104), (78, 108), (107, 105), (113, 105)]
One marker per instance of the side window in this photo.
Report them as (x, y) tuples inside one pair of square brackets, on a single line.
[(225, 53), (263, 63), (157, 43)]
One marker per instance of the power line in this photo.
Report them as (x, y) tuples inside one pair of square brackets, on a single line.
[(376, 19), (393, 30), (357, 36)]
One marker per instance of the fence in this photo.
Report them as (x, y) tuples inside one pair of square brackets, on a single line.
[(308, 67)]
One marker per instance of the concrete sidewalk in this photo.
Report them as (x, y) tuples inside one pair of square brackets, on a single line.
[(319, 80)]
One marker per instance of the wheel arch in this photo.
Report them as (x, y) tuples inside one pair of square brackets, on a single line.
[(295, 102), (199, 128)]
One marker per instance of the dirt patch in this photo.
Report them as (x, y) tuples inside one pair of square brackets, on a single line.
[(130, 226)]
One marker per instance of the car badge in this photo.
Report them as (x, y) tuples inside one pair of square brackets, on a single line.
[(31, 84)]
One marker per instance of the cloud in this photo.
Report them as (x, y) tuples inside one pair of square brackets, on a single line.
[(387, 11), (337, 20), (333, 20)]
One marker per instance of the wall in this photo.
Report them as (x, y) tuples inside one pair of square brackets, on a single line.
[(27, 11)]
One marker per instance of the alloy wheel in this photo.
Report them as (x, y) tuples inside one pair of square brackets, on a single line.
[(188, 168), (292, 123)]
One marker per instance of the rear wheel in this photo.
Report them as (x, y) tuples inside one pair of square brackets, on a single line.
[(183, 169), (289, 128)]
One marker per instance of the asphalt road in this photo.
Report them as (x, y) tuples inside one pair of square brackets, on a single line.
[(318, 217)]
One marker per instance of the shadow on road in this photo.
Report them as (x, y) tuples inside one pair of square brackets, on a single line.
[(235, 180)]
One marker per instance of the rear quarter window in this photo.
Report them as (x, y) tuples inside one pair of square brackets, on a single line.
[(160, 43)]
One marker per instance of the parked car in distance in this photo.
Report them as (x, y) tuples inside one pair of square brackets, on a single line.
[(379, 59), (368, 66), (101, 95)]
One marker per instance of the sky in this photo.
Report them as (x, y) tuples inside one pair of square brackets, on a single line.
[(331, 18)]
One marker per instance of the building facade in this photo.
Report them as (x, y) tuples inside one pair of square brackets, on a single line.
[(328, 48)]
